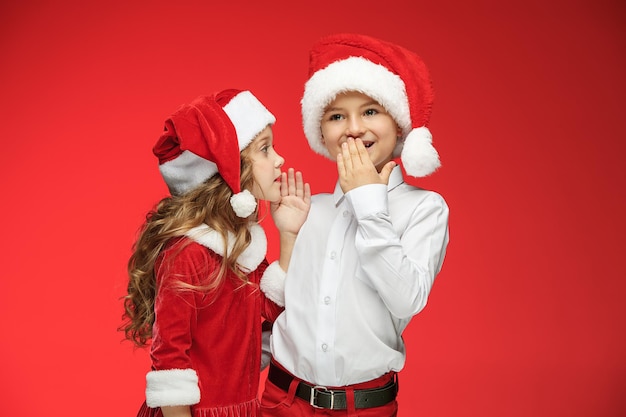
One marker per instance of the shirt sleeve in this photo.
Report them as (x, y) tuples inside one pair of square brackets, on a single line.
[(400, 265)]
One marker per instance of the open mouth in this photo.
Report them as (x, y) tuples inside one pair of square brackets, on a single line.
[(368, 144)]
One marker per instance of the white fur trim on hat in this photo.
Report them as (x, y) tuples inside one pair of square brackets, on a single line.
[(419, 156), (186, 172), (243, 203), (172, 387), (248, 116), (249, 259), (352, 74), (273, 283)]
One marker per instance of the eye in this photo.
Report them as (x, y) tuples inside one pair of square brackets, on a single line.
[(335, 116), (265, 149), (370, 112)]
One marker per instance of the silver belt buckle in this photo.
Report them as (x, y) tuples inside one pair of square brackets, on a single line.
[(313, 398)]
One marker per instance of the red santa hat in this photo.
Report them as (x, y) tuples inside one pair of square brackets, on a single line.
[(205, 137), (396, 78)]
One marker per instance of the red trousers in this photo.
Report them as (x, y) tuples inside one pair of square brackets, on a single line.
[(278, 403)]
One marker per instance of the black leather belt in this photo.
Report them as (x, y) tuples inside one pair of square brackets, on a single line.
[(334, 399)]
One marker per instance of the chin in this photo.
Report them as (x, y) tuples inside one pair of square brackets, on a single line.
[(273, 197)]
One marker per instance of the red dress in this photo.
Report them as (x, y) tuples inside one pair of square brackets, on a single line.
[(206, 346)]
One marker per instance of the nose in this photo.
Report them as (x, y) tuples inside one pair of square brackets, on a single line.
[(355, 127), (279, 161)]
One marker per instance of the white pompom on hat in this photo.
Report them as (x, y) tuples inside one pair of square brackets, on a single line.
[(395, 77), (206, 137)]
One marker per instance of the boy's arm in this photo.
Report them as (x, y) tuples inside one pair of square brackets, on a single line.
[(401, 268), (401, 265)]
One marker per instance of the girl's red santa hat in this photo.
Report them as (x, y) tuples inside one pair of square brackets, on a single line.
[(205, 137), (395, 77)]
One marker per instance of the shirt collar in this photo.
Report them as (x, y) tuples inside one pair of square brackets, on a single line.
[(395, 179)]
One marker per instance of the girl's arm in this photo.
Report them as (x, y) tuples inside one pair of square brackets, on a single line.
[(176, 411), (289, 215), (290, 212), (173, 381)]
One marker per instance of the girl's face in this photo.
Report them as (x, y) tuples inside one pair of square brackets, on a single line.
[(356, 115), (266, 164)]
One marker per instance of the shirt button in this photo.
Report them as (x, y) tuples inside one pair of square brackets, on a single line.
[(346, 213), (324, 347), (333, 255), (326, 300)]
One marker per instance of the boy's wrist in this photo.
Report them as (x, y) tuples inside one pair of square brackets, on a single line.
[(368, 199)]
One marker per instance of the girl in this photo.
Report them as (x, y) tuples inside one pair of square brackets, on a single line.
[(199, 281)]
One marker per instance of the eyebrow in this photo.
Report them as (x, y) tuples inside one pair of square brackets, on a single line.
[(263, 140), (367, 104)]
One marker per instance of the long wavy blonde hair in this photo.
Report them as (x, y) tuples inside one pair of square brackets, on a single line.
[(173, 217)]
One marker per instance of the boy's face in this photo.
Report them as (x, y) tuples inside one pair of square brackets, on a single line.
[(356, 115)]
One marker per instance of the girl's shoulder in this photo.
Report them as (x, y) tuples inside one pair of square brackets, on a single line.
[(186, 261), (184, 248)]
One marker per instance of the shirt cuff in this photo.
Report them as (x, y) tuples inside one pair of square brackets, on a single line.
[(368, 200), (172, 387), (273, 283)]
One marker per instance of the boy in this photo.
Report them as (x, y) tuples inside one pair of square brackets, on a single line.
[(367, 256)]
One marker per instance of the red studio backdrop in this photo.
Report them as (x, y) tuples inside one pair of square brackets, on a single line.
[(526, 318)]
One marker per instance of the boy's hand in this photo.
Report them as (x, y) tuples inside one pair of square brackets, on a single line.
[(292, 210), (356, 168)]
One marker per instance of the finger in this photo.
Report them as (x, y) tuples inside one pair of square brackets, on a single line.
[(347, 158), (386, 171), (355, 155), (364, 156), (307, 193), (341, 166), (291, 181), (284, 188), (299, 184)]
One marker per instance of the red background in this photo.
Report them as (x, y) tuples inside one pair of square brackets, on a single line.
[(526, 318)]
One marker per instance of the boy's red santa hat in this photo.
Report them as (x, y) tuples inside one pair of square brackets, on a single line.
[(396, 78), (205, 138)]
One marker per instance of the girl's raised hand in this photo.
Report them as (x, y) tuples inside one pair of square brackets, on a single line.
[(292, 210)]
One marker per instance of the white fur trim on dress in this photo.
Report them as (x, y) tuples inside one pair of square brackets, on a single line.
[(186, 172), (243, 203), (419, 157), (273, 283), (249, 259), (172, 387), (248, 116), (352, 74)]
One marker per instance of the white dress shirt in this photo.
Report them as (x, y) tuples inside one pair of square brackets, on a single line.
[(363, 265)]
